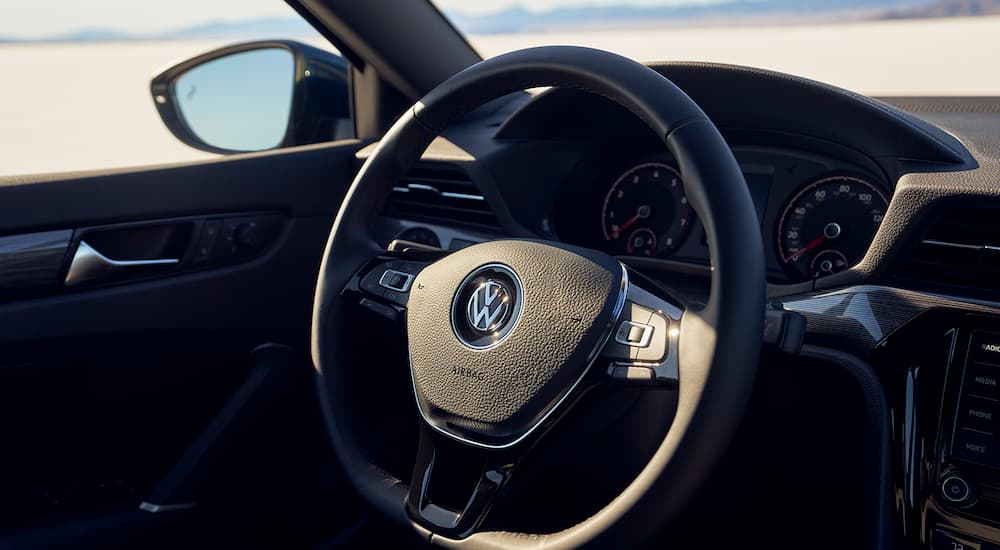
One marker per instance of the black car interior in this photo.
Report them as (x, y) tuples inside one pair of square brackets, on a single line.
[(671, 305)]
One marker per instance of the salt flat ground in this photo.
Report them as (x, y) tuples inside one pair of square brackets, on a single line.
[(81, 106)]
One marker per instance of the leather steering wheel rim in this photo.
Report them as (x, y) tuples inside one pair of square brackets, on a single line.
[(719, 345)]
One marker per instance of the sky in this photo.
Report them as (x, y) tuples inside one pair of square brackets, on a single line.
[(37, 18)]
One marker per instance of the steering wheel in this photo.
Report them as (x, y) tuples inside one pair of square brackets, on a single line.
[(505, 336)]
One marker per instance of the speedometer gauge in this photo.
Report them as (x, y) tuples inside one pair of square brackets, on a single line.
[(829, 225), (646, 213)]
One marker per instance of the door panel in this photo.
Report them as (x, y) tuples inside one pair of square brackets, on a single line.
[(302, 181), (269, 297), (90, 431), (105, 386)]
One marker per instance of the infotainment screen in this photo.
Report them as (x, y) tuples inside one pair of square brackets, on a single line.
[(976, 420)]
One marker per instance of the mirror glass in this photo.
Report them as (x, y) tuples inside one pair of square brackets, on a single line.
[(239, 102)]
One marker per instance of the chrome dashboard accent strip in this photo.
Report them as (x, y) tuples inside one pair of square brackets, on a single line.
[(157, 508), (431, 189), (423, 187), (466, 196), (946, 244), (668, 369)]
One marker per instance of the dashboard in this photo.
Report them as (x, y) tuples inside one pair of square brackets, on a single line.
[(818, 214)]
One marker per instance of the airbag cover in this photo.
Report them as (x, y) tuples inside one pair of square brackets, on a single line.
[(493, 396)]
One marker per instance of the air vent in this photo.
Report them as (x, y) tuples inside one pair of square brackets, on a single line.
[(440, 193), (961, 249)]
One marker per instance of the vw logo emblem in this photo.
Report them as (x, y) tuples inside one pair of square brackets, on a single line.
[(487, 306)]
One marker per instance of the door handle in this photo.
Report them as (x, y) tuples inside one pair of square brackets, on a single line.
[(89, 264)]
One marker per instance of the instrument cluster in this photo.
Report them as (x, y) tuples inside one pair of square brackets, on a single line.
[(818, 214)]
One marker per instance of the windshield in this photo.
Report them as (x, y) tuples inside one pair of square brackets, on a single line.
[(876, 47)]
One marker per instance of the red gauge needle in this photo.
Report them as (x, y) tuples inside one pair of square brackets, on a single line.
[(818, 241), (629, 223)]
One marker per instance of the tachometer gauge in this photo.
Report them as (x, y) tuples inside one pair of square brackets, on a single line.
[(646, 213), (829, 225)]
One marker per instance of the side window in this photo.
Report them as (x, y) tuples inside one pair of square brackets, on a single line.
[(98, 84)]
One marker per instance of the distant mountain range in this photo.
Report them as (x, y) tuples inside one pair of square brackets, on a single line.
[(948, 8), (269, 27), (517, 20), (727, 12)]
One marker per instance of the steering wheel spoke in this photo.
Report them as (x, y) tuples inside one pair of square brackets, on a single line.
[(643, 345), (455, 485)]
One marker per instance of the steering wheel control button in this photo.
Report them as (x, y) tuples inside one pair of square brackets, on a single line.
[(957, 491), (633, 315), (487, 306), (632, 374), (657, 348), (656, 361), (379, 308), (391, 280), (943, 540), (634, 334), (397, 281)]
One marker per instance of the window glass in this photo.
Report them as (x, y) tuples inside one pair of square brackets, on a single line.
[(75, 91), (875, 47)]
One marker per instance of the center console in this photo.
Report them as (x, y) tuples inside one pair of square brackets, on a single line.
[(941, 373)]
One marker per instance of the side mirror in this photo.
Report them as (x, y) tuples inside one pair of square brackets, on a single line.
[(255, 96)]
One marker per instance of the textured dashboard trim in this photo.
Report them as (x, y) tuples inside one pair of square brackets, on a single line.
[(921, 196), (945, 104), (866, 314)]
